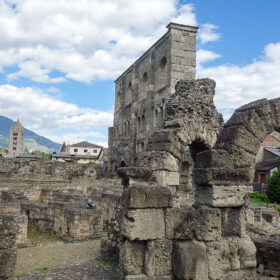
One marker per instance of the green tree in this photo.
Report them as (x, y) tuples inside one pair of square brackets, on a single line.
[(273, 189)]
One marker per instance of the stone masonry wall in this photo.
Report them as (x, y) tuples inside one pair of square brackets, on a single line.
[(142, 91), (164, 239), (8, 250)]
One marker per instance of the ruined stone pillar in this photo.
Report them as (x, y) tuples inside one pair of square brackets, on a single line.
[(8, 250)]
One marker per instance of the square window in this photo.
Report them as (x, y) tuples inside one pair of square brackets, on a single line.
[(14, 138), (95, 151), (75, 150), (14, 148), (85, 151), (15, 134)]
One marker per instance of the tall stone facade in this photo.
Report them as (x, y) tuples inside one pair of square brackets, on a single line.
[(16, 143), (142, 91)]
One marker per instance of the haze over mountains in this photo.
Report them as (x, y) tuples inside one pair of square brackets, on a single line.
[(32, 141)]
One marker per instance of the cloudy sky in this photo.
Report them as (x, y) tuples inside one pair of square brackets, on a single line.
[(59, 58)]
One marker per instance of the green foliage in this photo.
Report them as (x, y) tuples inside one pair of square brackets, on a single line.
[(44, 155), (278, 209), (258, 198), (6, 151), (273, 190)]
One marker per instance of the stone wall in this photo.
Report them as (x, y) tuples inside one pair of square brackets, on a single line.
[(163, 238), (40, 169), (8, 250), (142, 91)]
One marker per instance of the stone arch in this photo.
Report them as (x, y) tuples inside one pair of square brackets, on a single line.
[(230, 165), (190, 118), (188, 163)]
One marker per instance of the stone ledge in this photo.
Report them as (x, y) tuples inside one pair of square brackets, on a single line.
[(141, 196)]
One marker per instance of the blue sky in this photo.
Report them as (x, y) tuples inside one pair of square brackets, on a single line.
[(59, 59)]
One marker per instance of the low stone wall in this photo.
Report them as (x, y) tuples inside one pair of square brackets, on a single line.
[(65, 218), (40, 169), (8, 250)]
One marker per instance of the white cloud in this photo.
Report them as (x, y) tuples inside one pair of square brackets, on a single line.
[(81, 40), (238, 85), (72, 138), (204, 56), (207, 33), (45, 114)]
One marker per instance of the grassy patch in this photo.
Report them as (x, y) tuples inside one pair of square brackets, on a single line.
[(38, 237), (106, 265), (258, 198)]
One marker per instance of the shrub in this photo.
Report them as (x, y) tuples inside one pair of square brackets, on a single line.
[(273, 189)]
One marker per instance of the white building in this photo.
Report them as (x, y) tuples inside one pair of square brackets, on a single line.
[(83, 152)]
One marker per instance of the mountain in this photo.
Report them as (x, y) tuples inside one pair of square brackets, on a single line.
[(32, 141)]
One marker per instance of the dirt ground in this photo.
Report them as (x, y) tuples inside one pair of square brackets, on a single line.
[(59, 260)]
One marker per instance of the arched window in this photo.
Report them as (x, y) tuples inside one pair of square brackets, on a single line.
[(145, 77), (163, 62)]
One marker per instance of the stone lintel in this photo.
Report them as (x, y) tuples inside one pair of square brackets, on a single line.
[(188, 28)]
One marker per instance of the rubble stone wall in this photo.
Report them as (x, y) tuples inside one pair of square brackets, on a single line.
[(8, 250), (40, 169)]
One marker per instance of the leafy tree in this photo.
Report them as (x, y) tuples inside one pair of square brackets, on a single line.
[(273, 190)]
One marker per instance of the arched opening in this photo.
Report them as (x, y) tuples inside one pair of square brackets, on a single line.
[(143, 124), (123, 164), (28, 214), (187, 165), (163, 62), (156, 118), (129, 85), (145, 77)]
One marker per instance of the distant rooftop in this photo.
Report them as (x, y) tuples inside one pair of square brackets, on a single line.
[(274, 151), (85, 144), (29, 156)]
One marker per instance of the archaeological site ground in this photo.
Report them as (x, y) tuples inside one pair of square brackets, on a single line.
[(171, 201)]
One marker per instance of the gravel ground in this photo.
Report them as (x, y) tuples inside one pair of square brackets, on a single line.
[(60, 260)]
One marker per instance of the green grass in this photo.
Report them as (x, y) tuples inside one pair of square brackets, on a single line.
[(38, 237), (258, 198)]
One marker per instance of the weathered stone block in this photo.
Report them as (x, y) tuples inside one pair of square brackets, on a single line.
[(143, 224), (158, 257), (248, 274), (8, 259), (201, 224), (223, 176), (167, 178), (141, 196), (218, 262), (173, 218), (136, 277), (223, 196), (233, 221), (8, 231), (247, 252), (132, 257), (190, 261)]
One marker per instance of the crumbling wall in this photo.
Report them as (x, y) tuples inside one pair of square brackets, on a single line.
[(191, 125), (8, 250), (163, 239), (40, 169), (66, 218)]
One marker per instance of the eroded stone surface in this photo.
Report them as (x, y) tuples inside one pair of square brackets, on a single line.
[(190, 261), (142, 196), (132, 257), (200, 224), (143, 224)]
